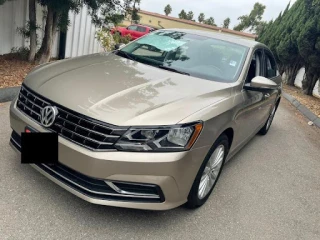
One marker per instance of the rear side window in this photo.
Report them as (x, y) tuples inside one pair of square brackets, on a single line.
[(271, 66), (141, 29)]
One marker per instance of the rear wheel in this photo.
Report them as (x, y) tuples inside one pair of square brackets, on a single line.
[(208, 173)]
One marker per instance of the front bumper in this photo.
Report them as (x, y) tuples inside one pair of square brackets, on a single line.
[(171, 174)]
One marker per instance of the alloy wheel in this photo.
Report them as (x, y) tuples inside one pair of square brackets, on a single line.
[(211, 171)]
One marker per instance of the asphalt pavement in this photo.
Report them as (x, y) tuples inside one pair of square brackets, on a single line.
[(269, 190)]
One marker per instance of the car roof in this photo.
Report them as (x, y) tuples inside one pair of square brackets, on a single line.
[(220, 36)]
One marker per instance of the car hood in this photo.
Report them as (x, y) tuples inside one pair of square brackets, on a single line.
[(122, 92)]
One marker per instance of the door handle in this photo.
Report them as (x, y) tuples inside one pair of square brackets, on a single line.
[(267, 95)]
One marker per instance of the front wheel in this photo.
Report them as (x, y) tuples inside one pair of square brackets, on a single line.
[(264, 130), (208, 173)]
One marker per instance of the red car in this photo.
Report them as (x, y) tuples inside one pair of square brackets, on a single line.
[(134, 30)]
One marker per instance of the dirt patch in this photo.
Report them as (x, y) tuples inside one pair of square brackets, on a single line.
[(13, 70), (313, 103)]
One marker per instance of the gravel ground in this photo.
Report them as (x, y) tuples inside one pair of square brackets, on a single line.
[(311, 102), (13, 70)]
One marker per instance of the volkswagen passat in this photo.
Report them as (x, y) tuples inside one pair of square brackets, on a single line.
[(151, 124)]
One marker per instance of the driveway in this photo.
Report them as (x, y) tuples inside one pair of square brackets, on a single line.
[(269, 190)]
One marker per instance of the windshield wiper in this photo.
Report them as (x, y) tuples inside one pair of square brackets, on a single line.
[(125, 54), (173, 70)]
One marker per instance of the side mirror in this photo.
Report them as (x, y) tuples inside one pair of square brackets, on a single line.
[(119, 46), (261, 84)]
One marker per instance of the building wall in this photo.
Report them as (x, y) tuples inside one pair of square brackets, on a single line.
[(159, 22), (80, 36)]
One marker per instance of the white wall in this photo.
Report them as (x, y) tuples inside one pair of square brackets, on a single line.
[(298, 82), (80, 36), (12, 15)]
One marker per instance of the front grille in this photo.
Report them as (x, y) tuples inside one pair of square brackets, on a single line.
[(85, 131), (98, 188)]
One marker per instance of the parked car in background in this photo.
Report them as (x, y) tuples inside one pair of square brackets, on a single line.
[(150, 125), (134, 30)]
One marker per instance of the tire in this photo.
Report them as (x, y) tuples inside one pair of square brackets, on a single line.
[(195, 199), (265, 129)]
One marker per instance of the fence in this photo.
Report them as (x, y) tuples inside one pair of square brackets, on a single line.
[(80, 35)]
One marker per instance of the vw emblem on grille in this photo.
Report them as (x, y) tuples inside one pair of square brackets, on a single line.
[(48, 115)]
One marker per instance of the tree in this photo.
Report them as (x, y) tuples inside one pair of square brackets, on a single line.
[(33, 30), (3, 1), (134, 14), (210, 21), (294, 37), (260, 28), (167, 10), (308, 43), (251, 21), (226, 23), (201, 17), (281, 36), (190, 15), (182, 14), (55, 11), (57, 17)]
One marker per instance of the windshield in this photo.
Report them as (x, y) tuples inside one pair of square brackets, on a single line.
[(190, 54)]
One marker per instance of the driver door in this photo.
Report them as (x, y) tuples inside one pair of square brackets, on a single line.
[(132, 30), (271, 72), (253, 110)]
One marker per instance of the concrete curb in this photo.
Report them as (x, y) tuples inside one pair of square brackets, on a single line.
[(8, 94), (303, 109)]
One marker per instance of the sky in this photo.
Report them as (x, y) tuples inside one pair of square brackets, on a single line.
[(218, 9)]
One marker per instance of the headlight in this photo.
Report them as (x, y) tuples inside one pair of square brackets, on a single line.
[(160, 139)]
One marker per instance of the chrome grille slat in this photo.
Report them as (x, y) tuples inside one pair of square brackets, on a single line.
[(28, 92), (101, 134), (76, 128), (87, 138), (24, 105), (80, 119), (33, 103)]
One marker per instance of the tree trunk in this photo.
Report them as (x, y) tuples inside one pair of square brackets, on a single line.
[(40, 52), (46, 47), (281, 69), (292, 72), (33, 30), (54, 27), (309, 81)]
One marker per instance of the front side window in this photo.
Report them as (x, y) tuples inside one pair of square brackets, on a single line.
[(195, 55), (133, 28), (271, 67), (255, 68)]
